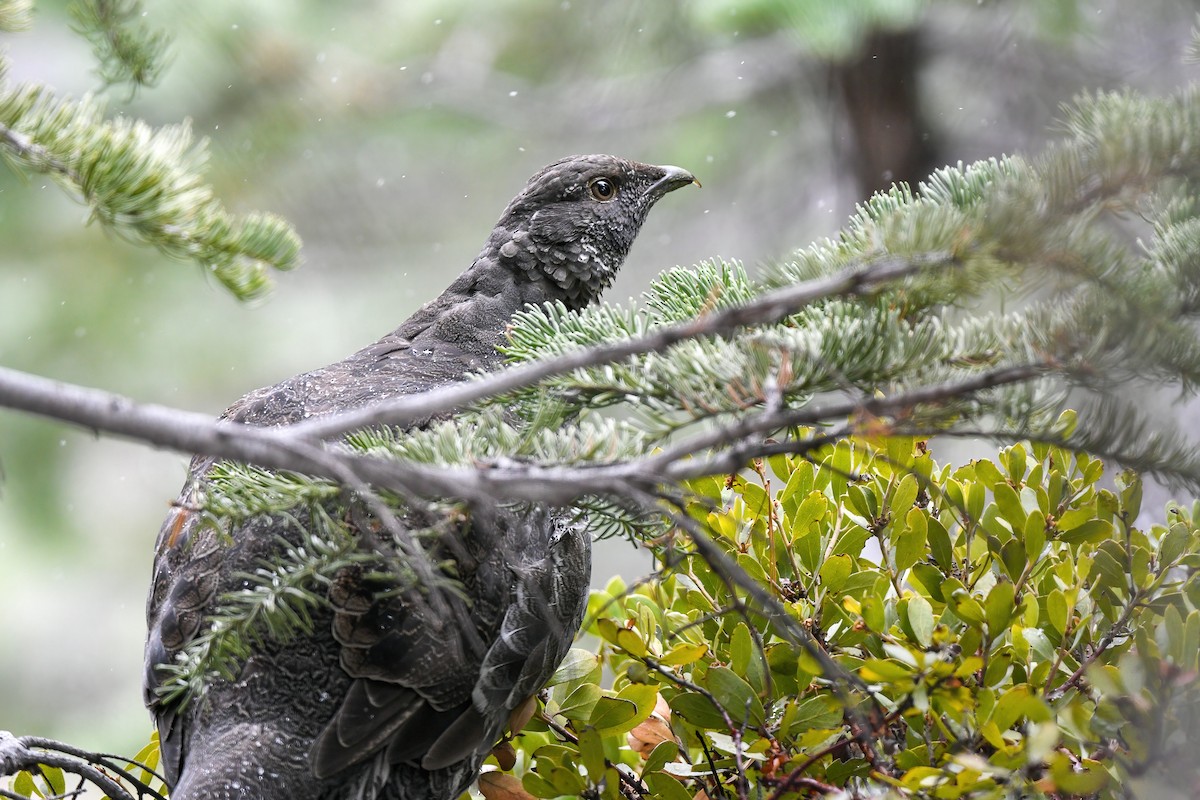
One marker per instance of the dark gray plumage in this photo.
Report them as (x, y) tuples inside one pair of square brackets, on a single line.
[(387, 698)]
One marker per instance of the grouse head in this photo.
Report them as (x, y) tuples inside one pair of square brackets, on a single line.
[(575, 220)]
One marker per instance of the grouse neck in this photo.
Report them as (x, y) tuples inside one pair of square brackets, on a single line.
[(573, 271)]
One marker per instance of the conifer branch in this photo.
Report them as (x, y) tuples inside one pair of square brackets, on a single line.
[(289, 448), (16, 15), (859, 280), (127, 50), (144, 184)]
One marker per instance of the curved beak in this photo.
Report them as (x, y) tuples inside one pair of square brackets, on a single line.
[(673, 178)]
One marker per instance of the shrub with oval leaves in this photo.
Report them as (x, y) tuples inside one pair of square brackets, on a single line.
[(1017, 634)]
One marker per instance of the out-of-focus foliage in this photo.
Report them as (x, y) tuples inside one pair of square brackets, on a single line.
[(126, 48), (832, 30), (837, 30), (1019, 635), (15, 15), (142, 183)]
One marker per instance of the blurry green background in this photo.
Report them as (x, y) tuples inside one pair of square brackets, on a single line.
[(392, 134)]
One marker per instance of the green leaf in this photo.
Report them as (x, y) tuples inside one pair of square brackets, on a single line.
[(1108, 569), (741, 648), (613, 715), (54, 778), (1190, 651), (756, 499), (910, 544), (1014, 557), (879, 669), (591, 753), (566, 782), (631, 642), (538, 786), (820, 712), (735, 695), (660, 756), (835, 571), (1130, 484), (1075, 517), (578, 664), (1035, 534), (939, 544), (920, 620), (608, 629), (811, 510), (664, 787), (997, 668), (931, 579), (905, 495), (1009, 503), (842, 463), (967, 608), (900, 453), (644, 696), (1173, 544), (578, 704), (1092, 531), (1057, 610), (682, 654), (863, 502), (1039, 643), (23, 784), (707, 487), (799, 485), (698, 710), (873, 614), (805, 532), (999, 608), (1020, 701), (1015, 462), (1080, 780)]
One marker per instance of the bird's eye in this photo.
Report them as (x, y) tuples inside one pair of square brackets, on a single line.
[(602, 189)]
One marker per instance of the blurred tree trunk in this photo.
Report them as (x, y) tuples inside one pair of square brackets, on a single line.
[(890, 139)]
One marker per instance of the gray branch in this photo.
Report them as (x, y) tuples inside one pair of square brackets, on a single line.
[(305, 447), (285, 448), (765, 310)]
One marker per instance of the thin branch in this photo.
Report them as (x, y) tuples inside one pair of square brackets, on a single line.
[(36, 156), (769, 308), (191, 432), (631, 785), (27, 752), (284, 448), (1115, 631)]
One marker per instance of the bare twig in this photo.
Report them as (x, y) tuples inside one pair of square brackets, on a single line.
[(284, 448), (631, 786), (36, 156), (27, 752), (1115, 631)]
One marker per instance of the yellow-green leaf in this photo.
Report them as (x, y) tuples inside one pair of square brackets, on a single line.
[(920, 619), (683, 654), (613, 715), (578, 664), (835, 571)]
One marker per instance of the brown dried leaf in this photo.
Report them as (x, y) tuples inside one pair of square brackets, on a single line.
[(502, 786)]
